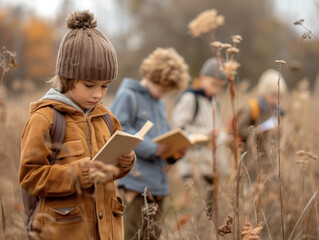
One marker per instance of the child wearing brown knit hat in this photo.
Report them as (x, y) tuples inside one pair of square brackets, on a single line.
[(163, 71), (76, 198)]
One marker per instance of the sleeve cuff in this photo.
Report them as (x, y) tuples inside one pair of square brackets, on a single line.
[(82, 173)]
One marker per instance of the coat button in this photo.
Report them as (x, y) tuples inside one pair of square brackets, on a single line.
[(100, 215)]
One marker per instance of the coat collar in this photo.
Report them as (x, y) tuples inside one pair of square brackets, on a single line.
[(198, 92), (63, 104)]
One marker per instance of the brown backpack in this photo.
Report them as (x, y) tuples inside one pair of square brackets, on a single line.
[(57, 134)]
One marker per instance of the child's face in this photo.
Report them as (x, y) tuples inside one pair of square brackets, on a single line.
[(86, 94), (211, 85), (271, 99), (156, 91)]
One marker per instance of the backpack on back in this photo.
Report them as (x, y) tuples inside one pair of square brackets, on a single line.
[(57, 134), (255, 113), (196, 109)]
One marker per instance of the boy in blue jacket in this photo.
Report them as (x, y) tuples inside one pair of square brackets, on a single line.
[(135, 103)]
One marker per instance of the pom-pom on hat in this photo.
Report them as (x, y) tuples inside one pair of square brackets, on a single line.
[(211, 69), (85, 53)]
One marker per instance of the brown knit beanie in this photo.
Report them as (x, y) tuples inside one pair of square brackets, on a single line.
[(85, 53)]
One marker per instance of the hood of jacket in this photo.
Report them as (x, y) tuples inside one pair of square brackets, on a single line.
[(134, 86), (62, 103)]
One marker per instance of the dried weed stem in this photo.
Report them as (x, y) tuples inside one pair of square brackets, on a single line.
[(280, 62)]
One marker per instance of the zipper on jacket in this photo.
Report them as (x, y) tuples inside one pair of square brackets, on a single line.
[(88, 136)]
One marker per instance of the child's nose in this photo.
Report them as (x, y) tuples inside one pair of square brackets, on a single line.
[(97, 93)]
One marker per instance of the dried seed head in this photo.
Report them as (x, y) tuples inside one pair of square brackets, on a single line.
[(233, 50), (237, 38), (226, 227), (302, 153), (280, 61), (307, 35), (299, 22), (251, 232), (216, 44), (205, 22), (8, 60), (149, 209), (209, 210), (225, 45), (230, 68)]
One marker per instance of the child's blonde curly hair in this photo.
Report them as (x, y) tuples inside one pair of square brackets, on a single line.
[(166, 68)]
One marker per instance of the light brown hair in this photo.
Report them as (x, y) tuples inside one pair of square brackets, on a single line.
[(166, 68), (61, 84)]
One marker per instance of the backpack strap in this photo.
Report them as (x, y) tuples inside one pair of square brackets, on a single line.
[(108, 120), (134, 103), (57, 133), (196, 107), (255, 111)]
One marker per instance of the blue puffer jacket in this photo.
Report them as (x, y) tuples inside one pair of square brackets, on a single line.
[(133, 106)]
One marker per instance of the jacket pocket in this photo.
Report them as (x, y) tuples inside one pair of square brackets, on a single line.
[(71, 222), (71, 148), (117, 218)]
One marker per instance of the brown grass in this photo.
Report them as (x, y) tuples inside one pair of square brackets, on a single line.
[(300, 176)]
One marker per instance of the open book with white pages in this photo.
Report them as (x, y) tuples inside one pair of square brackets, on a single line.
[(121, 143), (270, 123), (178, 140)]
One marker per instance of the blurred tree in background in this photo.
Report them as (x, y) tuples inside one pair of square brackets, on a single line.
[(164, 24), (39, 50), (143, 25)]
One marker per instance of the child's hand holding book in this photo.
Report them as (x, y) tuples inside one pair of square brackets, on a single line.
[(126, 160), (100, 172), (178, 142)]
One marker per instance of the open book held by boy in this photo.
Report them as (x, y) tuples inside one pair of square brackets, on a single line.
[(179, 140), (121, 143)]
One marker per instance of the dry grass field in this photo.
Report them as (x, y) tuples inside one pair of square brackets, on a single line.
[(187, 215)]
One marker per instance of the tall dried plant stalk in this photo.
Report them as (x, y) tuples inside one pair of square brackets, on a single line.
[(215, 172), (1, 220), (206, 23), (7, 62), (306, 35), (300, 23), (280, 63), (230, 69)]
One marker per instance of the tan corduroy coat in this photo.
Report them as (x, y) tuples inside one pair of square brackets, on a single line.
[(82, 210)]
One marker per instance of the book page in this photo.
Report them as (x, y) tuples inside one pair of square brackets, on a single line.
[(121, 143), (177, 139), (146, 127), (197, 138), (267, 125)]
